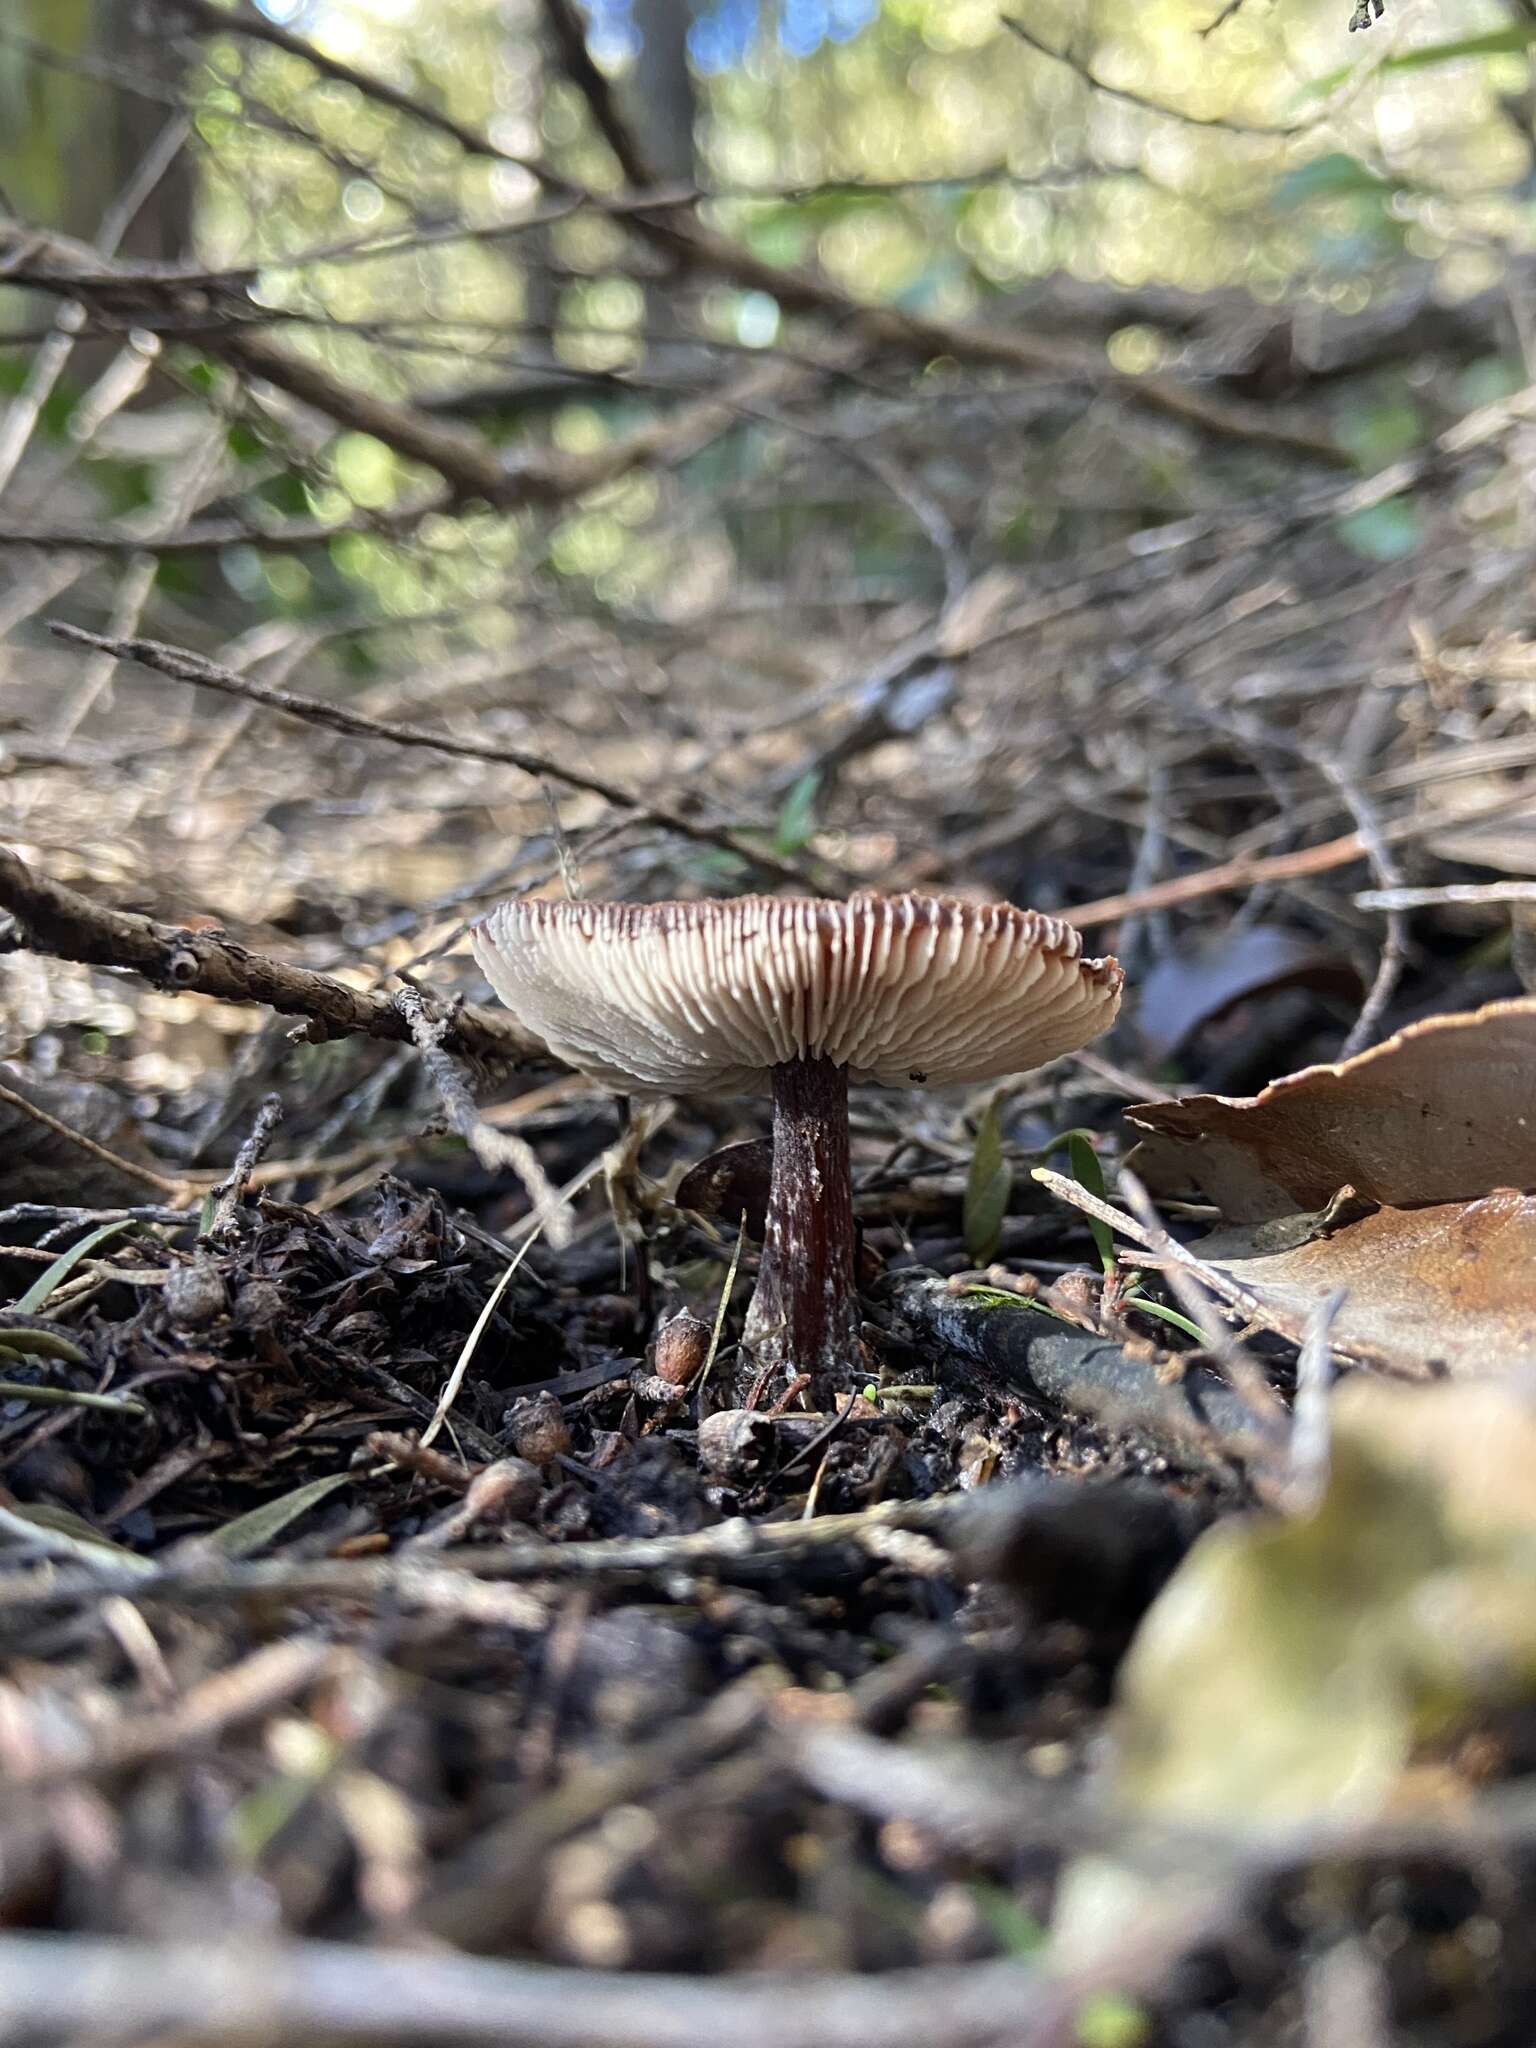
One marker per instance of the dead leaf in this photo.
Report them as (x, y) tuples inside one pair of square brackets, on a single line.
[(38, 1165), (1443, 1112), (1189, 988), (1505, 843), (1448, 1288), (726, 1183), (1290, 1667)]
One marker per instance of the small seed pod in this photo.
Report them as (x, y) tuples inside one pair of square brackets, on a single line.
[(682, 1346), (539, 1430), (194, 1295), (735, 1443), (507, 1491), (1077, 1296)]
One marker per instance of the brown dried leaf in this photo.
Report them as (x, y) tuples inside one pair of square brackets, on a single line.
[(1443, 1112), (37, 1165), (1449, 1288), (730, 1181), (1507, 843)]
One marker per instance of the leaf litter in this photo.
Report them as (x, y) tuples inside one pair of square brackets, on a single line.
[(1403, 1176)]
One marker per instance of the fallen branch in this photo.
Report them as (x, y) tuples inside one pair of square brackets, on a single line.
[(325, 1991), (1016, 1350), (68, 926)]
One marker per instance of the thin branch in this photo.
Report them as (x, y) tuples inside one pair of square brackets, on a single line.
[(493, 1148), (244, 20), (1387, 875), (1249, 870), (570, 39), (730, 1550), (1128, 98), (127, 1167), (185, 667), (230, 1192)]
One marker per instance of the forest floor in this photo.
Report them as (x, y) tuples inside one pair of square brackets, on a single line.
[(409, 1629), (361, 1596)]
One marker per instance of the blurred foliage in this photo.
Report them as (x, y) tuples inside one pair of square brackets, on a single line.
[(1008, 167)]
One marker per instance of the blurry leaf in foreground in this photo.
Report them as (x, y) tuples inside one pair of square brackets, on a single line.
[(1187, 988), (1444, 1111), (987, 1188), (1289, 1669)]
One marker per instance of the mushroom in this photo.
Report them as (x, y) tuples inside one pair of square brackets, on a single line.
[(797, 996)]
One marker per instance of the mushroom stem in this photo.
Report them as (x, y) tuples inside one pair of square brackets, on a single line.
[(805, 1313)]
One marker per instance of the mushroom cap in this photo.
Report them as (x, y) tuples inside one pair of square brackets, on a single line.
[(709, 997)]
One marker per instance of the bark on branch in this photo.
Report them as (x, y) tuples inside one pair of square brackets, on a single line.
[(58, 921)]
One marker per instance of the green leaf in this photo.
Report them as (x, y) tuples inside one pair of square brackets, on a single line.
[(1383, 533), (987, 1188), (244, 444), (1088, 1173), (56, 412), (1005, 1297), (1014, 1927), (797, 818), (249, 1533), (1497, 42), (55, 1276), (1334, 175), (1108, 2019), (1165, 1314), (63, 1534), (19, 1336), (70, 1397), (1380, 430)]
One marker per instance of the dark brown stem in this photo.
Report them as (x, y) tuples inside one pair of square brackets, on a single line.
[(805, 1313)]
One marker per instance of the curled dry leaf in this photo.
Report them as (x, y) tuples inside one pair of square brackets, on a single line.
[(1403, 1176), (1443, 1112), (731, 1183)]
